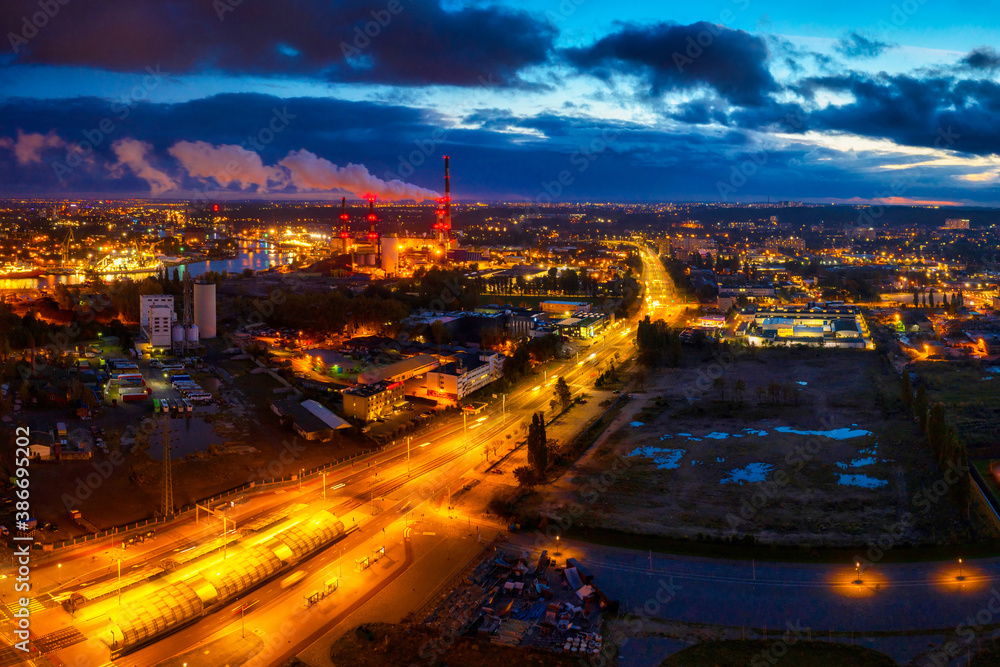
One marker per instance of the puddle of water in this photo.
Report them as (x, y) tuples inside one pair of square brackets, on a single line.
[(858, 463), (666, 437), (753, 431), (755, 472), (864, 481), (804, 384), (665, 459), (636, 424), (717, 436), (834, 434)]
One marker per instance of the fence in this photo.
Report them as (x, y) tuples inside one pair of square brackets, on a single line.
[(187, 509)]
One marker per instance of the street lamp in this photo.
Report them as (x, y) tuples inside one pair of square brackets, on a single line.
[(59, 570), (961, 575), (857, 572)]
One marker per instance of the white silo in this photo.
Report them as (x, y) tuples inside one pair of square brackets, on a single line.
[(177, 336), (390, 254), (192, 337), (204, 309)]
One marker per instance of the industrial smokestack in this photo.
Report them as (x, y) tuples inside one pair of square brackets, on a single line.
[(343, 218), (447, 194)]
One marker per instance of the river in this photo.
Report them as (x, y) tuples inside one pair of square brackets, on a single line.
[(251, 256)]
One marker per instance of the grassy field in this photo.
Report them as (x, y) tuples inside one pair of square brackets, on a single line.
[(971, 394), (779, 654), (808, 454)]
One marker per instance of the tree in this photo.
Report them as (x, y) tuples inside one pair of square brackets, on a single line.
[(439, 334), (525, 476), (907, 392), (920, 407), (719, 385), (563, 393), (739, 389), (537, 444)]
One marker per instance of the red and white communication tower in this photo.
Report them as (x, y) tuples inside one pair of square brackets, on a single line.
[(345, 235), (373, 235), (443, 212)]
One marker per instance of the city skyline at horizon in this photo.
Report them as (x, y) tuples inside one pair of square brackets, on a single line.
[(730, 102)]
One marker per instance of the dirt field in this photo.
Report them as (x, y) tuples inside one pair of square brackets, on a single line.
[(808, 453)]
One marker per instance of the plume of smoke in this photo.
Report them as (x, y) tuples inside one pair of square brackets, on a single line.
[(311, 172), (227, 164), (131, 154), (29, 146)]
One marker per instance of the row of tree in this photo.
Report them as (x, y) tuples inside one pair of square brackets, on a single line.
[(657, 344), (926, 299), (528, 350), (949, 450)]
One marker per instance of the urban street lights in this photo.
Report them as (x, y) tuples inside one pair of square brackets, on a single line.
[(59, 570), (857, 573), (961, 574)]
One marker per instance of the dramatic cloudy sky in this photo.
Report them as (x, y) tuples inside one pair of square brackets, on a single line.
[(586, 100)]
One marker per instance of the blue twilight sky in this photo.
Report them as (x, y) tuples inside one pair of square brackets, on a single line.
[(578, 100)]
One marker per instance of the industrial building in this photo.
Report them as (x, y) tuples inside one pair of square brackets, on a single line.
[(467, 374), (582, 325), (565, 307), (156, 319), (205, 309), (368, 402), (400, 371), (813, 324), (310, 419)]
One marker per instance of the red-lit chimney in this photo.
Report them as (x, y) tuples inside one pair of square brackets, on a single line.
[(344, 234), (447, 195)]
